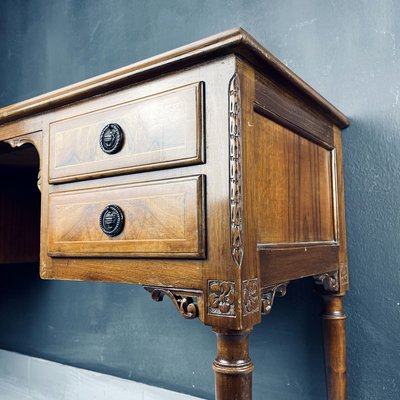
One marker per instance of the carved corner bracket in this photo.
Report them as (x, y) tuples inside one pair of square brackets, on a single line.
[(268, 295), (35, 139), (187, 301), (235, 171), (327, 282)]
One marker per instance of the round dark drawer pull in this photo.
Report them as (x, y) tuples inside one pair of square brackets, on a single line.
[(112, 220), (111, 138)]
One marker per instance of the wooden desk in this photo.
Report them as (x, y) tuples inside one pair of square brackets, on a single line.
[(210, 174)]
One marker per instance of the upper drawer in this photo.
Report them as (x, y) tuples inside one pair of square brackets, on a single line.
[(159, 131)]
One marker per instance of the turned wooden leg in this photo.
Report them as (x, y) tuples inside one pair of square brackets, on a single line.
[(334, 332), (233, 366)]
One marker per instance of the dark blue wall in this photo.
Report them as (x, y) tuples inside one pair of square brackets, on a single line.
[(349, 51)]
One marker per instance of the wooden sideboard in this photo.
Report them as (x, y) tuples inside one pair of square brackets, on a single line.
[(210, 174)]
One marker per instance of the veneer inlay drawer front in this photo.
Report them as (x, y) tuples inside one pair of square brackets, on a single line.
[(158, 131), (160, 219)]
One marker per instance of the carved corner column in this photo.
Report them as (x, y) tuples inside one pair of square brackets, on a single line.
[(228, 300), (334, 334), (233, 366)]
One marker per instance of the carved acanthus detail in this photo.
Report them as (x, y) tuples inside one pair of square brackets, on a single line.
[(184, 300), (268, 295), (235, 170), (221, 298), (250, 296), (327, 282)]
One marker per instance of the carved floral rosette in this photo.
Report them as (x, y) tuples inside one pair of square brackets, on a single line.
[(250, 296), (221, 298)]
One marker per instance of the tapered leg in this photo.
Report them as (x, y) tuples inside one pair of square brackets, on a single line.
[(334, 332), (233, 366)]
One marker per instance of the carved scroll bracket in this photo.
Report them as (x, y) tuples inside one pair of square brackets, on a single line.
[(35, 139), (327, 282), (188, 302), (268, 295)]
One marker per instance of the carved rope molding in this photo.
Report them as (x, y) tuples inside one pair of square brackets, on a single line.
[(327, 282), (20, 141), (250, 296), (268, 295), (235, 170), (185, 300), (221, 298)]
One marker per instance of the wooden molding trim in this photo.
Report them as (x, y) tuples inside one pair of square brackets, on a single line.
[(295, 245)]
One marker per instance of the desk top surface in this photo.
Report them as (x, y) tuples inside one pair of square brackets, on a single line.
[(235, 41)]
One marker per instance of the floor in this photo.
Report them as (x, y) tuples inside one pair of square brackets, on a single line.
[(27, 378)]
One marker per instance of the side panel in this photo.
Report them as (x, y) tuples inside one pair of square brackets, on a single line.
[(295, 186), (295, 193)]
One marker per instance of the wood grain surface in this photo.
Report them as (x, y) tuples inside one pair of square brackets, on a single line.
[(294, 194)]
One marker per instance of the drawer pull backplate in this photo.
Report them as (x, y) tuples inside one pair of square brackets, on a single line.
[(111, 138), (112, 220)]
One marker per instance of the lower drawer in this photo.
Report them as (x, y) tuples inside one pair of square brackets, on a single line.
[(163, 218)]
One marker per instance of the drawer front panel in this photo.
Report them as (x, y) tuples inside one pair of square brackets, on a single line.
[(159, 131), (160, 219)]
